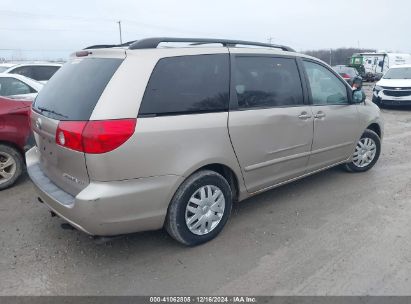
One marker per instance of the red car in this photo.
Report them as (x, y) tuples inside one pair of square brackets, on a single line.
[(15, 138)]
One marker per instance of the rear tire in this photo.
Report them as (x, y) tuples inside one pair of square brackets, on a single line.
[(366, 154), (11, 166), (200, 208)]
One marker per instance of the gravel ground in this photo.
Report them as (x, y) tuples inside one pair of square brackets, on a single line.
[(333, 233)]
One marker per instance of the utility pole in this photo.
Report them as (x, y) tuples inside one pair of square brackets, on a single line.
[(119, 29), (270, 39), (330, 55)]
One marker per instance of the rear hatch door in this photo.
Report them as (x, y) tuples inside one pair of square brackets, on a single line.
[(70, 95)]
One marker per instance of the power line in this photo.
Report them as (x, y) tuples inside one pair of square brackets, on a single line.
[(54, 16), (33, 50), (101, 19), (51, 30)]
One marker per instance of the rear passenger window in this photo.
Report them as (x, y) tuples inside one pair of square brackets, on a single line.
[(188, 84), (43, 73), (25, 71), (267, 82)]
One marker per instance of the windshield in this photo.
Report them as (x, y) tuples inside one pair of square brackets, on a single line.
[(73, 92), (398, 73)]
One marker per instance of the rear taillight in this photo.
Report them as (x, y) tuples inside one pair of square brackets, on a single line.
[(69, 134), (96, 136), (345, 76), (107, 135)]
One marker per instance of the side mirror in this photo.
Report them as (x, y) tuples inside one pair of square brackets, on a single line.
[(358, 96)]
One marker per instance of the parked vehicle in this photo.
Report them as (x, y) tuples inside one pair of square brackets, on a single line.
[(347, 73), (377, 64), (158, 138), (14, 139), (394, 88), (19, 87), (366, 76), (5, 66), (41, 72)]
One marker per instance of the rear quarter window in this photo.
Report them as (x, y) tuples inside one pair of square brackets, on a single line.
[(73, 92), (188, 84)]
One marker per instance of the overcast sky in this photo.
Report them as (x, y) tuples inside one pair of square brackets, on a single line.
[(51, 28)]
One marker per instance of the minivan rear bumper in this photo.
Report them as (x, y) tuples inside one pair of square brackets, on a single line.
[(107, 208)]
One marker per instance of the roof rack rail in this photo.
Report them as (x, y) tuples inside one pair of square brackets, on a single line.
[(104, 46), (152, 43)]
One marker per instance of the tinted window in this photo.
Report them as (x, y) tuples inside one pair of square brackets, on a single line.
[(42, 73), (188, 84), (326, 88), (267, 82), (74, 90), (25, 71), (11, 86)]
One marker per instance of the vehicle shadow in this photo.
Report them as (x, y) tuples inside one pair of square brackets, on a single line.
[(396, 108), (267, 203), (22, 179)]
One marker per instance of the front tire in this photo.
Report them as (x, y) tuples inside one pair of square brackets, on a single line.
[(11, 166), (200, 208), (366, 154)]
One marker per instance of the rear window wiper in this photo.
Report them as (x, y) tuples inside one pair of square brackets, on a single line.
[(52, 112)]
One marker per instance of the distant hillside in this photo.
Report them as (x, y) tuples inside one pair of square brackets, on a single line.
[(338, 56)]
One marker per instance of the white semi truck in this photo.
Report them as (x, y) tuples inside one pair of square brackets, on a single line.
[(379, 62)]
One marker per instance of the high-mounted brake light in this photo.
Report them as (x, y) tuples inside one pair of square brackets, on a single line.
[(94, 137), (83, 53)]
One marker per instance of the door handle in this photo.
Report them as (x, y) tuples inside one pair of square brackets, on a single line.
[(304, 115), (319, 115)]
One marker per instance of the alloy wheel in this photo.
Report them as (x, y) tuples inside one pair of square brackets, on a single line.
[(8, 167)]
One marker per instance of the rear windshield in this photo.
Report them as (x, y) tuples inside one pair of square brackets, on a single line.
[(346, 70), (350, 71), (73, 92)]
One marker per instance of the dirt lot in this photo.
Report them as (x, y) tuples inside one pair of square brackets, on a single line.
[(333, 233)]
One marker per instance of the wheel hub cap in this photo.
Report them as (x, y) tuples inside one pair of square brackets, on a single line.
[(205, 209), (364, 152)]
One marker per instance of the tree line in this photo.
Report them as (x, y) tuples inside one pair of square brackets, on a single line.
[(336, 56)]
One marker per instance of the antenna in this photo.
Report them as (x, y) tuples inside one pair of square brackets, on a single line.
[(119, 29)]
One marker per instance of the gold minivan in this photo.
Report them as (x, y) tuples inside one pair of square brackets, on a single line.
[(169, 132)]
